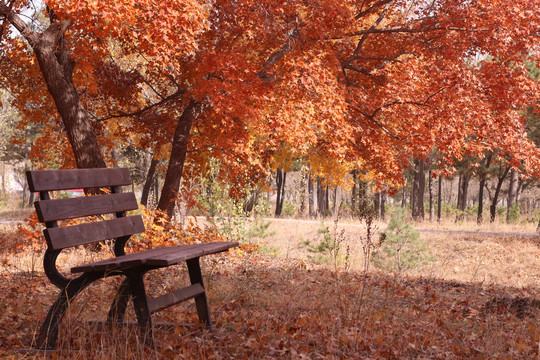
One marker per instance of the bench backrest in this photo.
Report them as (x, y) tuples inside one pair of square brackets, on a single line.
[(50, 210)]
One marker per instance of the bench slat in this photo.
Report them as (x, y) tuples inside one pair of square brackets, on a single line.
[(122, 262), (175, 297), (58, 209), (63, 237), (156, 257), (201, 250), (49, 180)]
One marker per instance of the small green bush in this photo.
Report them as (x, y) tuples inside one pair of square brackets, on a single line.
[(401, 246)]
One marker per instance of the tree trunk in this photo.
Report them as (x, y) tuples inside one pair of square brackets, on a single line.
[(419, 185), (511, 193), (251, 201), (56, 66), (463, 188), (383, 209), (520, 187), (495, 200), (337, 201), (538, 227), (310, 196), (178, 157), (439, 199), (321, 202), (431, 196), (377, 204), (149, 181), (483, 178), (281, 177), (354, 193), (302, 192)]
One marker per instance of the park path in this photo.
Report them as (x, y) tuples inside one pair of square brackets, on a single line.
[(449, 231)]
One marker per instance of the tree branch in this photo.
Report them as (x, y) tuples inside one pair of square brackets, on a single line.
[(122, 114), (18, 23), (279, 54), (371, 8)]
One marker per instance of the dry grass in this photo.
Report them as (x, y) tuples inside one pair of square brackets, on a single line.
[(479, 299)]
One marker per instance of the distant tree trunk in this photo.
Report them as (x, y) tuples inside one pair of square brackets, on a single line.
[(322, 198), (439, 199), (419, 185), (310, 196), (251, 201), (354, 193), (431, 196), (303, 192), (495, 200), (377, 204), (31, 199), (463, 188), (3, 178), (520, 187), (337, 201), (483, 178), (149, 181), (383, 209), (177, 158), (156, 188), (511, 192), (538, 227), (281, 177)]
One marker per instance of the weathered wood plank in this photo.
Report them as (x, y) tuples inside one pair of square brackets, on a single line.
[(120, 262), (63, 237), (48, 180), (58, 209), (175, 257), (160, 257), (175, 297)]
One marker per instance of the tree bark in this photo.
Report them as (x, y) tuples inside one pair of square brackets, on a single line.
[(178, 155), (302, 192), (483, 178), (376, 204), (149, 181), (495, 200), (431, 196), (383, 209), (56, 66), (511, 193), (419, 185), (281, 177), (439, 199), (310, 196), (354, 194), (337, 201), (463, 188)]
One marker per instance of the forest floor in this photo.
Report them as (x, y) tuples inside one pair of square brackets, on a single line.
[(476, 298)]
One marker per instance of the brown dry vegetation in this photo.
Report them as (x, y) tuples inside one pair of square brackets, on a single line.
[(479, 299)]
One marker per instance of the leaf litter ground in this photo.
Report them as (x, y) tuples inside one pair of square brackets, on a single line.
[(267, 307)]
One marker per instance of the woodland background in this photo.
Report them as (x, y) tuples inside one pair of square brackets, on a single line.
[(319, 134)]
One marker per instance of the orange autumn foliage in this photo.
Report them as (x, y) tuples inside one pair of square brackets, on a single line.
[(345, 84)]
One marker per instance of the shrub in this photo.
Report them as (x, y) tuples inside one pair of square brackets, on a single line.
[(401, 246)]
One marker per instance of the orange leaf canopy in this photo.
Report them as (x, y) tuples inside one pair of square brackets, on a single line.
[(345, 84)]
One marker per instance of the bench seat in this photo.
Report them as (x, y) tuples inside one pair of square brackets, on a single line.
[(159, 257)]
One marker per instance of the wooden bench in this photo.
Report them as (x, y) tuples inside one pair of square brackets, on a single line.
[(119, 228)]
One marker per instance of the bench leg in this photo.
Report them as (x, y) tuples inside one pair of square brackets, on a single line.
[(49, 329), (140, 304), (201, 303), (120, 302)]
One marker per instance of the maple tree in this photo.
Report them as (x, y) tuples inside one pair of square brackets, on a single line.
[(348, 84)]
